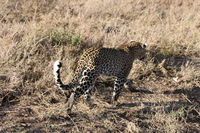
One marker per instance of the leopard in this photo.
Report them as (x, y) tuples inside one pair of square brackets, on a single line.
[(96, 61)]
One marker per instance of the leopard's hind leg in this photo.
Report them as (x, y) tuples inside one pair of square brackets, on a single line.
[(86, 85), (88, 96)]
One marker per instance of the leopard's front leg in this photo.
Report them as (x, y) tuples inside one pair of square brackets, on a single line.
[(117, 88), (128, 85)]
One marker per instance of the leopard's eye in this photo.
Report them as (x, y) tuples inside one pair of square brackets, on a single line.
[(145, 45)]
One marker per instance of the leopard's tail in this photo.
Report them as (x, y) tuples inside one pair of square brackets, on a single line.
[(56, 72)]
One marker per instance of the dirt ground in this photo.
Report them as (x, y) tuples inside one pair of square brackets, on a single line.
[(161, 105)]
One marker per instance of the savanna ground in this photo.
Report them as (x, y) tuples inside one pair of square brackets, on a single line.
[(34, 34)]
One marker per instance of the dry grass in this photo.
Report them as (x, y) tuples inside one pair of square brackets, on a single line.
[(36, 33)]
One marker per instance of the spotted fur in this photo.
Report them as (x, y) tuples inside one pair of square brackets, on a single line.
[(101, 61)]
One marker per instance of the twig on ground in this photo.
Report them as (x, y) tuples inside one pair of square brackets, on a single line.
[(190, 103), (73, 123)]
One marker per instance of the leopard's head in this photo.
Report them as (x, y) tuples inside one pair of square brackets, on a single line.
[(136, 49)]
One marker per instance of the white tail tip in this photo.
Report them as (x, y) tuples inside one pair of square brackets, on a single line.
[(57, 65)]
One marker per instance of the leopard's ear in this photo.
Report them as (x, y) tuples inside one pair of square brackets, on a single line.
[(145, 45), (132, 41)]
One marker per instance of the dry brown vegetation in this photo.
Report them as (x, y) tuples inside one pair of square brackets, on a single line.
[(33, 34)]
